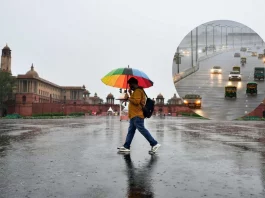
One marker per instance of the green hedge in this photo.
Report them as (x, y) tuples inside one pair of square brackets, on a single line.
[(190, 114), (48, 114), (13, 116), (194, 115), (251, 118), (77, 114), (48, 117)]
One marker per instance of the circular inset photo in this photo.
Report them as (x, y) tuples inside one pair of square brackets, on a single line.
[(218, 70)]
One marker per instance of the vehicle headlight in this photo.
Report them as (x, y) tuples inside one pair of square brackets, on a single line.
[(239, 76), (185, 101), (230, 75), (212, 70), (198, 102)]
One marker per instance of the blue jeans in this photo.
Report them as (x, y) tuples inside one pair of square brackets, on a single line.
[(138, 123)]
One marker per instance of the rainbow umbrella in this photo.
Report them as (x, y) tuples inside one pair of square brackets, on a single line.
[(119, 77)]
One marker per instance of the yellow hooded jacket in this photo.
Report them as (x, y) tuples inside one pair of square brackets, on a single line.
[(136, 102)]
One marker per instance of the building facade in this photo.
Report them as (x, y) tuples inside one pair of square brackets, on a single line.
[(33, 93)]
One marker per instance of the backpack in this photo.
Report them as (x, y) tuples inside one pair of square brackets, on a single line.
[(149, 106)]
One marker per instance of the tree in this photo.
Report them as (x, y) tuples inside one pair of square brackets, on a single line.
[(7, 85)]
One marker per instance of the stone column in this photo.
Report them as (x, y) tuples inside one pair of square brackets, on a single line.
[(27, 90), (18, 86)]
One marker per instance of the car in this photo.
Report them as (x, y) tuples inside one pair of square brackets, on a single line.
[(235, 75), (216, 70), (211, 47), (237, 54), (185, 52), (192, 100), (260, 56), (243, 49), (254, 54)]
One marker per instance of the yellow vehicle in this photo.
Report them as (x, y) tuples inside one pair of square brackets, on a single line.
[(243, 60), (236, 68), (252, 88), (230, 91)]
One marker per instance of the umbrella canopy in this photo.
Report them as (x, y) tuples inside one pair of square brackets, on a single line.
[(119, 77)]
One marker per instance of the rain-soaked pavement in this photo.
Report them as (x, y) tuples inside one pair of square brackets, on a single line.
[(78, 158)]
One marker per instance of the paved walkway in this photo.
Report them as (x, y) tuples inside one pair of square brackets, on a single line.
[(78, 158)]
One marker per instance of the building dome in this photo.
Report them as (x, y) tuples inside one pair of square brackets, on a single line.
[(160, 96), (110, 96), (32, 72), (6, 47), (174, 97)]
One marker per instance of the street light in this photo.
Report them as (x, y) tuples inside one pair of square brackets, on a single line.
[(242, 28), (177, 58), (206, 47), (227, 26), (213, 33)]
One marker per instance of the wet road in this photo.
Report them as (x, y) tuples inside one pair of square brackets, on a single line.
[(211, 87), (78, 158)]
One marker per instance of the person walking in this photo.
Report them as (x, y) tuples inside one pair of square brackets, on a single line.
[(136, 102)]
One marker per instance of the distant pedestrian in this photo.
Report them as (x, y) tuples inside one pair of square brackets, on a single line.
[(136, 102)]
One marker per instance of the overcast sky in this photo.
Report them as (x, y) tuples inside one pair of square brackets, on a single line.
[(72, 43)]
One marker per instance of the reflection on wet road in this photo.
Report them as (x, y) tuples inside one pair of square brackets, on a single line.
[(78, 158)]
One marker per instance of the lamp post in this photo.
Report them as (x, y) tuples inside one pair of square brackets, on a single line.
[(240, 35), (177, 59), (191, 43), (233, 37), (221, 36), (232, 30), (206, 45), (225, 36), (242, 28), (213, 34), (196, 44), (249, 36), (206, 40)]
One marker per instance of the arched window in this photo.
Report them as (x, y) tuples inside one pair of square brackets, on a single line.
[(24, 98)]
